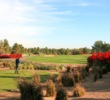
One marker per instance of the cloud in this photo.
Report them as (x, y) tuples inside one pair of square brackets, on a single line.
[(84, 4), (18, 21), (21, 20), (13, 12)]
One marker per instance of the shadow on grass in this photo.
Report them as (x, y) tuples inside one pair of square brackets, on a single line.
[(42, 77), (14, 77)]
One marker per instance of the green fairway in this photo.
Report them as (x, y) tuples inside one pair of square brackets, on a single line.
[(8, 79), (71, 59)]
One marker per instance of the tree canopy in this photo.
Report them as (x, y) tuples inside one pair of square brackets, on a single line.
[(98, 46)]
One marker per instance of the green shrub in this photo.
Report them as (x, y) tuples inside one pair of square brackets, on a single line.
[(50, 88), (61, 94), (78, 91)]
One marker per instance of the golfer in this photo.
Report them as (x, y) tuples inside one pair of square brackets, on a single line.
[(17, 61)]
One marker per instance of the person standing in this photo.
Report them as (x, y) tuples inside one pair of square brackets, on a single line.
[(17, 61)]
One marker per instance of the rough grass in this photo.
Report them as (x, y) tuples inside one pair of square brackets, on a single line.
[(71, 59), (8, 79)]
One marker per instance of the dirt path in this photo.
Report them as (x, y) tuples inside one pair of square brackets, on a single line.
[(99, 90)]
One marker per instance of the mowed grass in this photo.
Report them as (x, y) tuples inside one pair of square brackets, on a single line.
[(8, 79), (71, 59)]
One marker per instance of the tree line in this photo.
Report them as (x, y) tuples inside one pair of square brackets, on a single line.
[(98, 46)]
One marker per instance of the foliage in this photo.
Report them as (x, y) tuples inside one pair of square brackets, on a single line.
[(29, 91), (69, 69), (53, 77), (17, 48), (45, 67), (4, 46), (100, 63), (50, 88), (78, 91), (61, 94), (26, 66), (100, 46), (77, 77), (67, 80), (100, 59), (95, 77), (36, 80)]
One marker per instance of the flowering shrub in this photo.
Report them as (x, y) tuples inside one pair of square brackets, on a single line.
[(10, 56), (101, 59)]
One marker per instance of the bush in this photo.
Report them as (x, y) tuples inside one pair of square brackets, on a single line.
[(104, 70), (77, 77), (61, 94), (50, 88), (26, 66), (78, 91), (59, 80), (29, 91), (95, 77), (53, 77), (67, 80), (100, 73), (69, 69), (38, 93), (61, 67), (36, 80), (44, 67)]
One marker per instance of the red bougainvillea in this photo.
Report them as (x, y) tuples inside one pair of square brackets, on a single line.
[(100, 59), (10, 56)]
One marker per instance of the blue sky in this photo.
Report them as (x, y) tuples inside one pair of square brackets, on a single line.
[(55, 23)]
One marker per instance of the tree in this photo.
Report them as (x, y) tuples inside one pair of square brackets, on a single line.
[(98, 46), (1, 46), (86, 50), (61, 51), (46, 50), (76, 51), (68, 52), (17, 48), (54, 51), (6, 46)]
